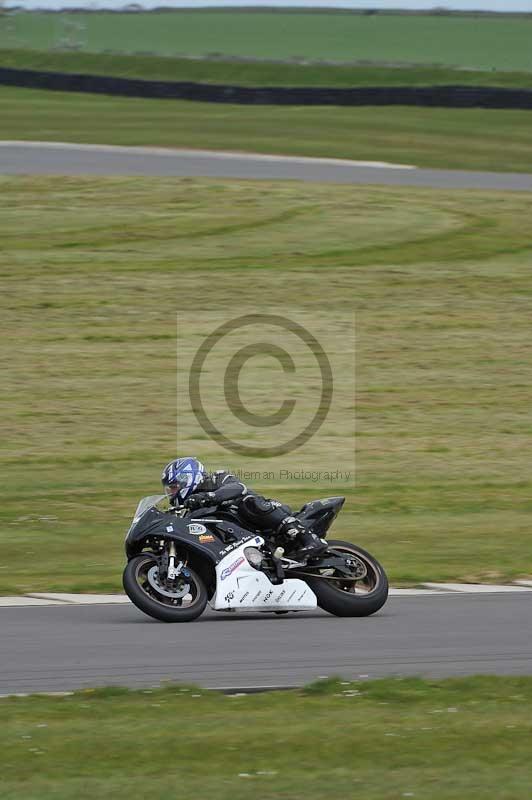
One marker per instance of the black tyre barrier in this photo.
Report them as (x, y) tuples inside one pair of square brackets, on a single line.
[(442, 96)]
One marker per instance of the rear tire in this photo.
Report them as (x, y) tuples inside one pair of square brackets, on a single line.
[(133, 580), (348, 603)]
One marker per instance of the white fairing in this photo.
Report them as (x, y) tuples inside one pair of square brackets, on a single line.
[(241, 586)]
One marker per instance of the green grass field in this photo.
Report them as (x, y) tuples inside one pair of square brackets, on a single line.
[(93, 273), (256, 74), (383, 740), (464, 41), (426, 137)]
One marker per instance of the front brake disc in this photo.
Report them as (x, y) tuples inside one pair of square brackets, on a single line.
[(175, 594)]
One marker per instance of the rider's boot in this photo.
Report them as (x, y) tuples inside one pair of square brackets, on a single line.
[(308, 546), (303, 543)]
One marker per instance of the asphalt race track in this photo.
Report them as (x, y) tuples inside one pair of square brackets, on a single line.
[(56, 648), (62, 647), (48, 158)]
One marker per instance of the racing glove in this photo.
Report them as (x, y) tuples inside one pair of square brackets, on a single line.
[(199, 500)]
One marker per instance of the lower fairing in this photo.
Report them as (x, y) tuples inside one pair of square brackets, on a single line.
[(241, 587)]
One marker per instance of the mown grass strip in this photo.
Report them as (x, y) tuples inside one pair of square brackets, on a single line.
[(389, 739), (94, 271)]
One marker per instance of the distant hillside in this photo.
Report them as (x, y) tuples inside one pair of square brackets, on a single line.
[(482, 42)]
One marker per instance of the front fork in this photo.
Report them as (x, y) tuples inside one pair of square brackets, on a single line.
[(173, 568)]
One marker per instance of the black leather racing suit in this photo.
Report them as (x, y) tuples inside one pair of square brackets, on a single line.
[(269, 517)]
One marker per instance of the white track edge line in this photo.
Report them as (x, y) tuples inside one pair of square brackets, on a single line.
[(434, 589), (191, 153)]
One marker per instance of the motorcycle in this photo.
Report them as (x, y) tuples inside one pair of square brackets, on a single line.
[(179, 561)]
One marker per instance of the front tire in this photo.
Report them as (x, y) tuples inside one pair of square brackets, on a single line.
[(352, 599), (161, 606)]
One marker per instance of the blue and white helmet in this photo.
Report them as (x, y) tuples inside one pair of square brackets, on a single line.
[(182, 477)]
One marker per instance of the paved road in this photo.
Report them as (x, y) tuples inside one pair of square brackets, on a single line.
[(69, 159), (64, 647)]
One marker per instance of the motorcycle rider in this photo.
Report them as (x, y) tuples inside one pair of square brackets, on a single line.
[(187, 483)]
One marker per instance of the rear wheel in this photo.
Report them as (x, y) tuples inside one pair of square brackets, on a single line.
[(351, 597), (182, 601)]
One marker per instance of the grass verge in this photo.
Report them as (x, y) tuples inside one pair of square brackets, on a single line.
[(387, 739), (441, 138), (205, 70), (94, 271)]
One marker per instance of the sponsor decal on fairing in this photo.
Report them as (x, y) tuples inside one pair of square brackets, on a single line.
[(234, 566), (195, 528)]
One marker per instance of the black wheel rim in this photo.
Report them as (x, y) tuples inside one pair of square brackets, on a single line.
[(363, 586), (182, 599)]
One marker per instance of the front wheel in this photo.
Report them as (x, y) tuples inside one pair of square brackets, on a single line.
[(182, 602), (347, 597)]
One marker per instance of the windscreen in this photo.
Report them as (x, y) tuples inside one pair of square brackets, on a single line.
[(146, 503)]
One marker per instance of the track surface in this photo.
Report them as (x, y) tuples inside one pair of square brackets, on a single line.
[(65, 647), (69, 159)]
